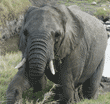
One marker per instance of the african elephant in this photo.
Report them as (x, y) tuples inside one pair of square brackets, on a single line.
[(67, 39)]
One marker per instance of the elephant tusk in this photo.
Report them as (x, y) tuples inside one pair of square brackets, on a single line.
[(21, 63), (52, 67)]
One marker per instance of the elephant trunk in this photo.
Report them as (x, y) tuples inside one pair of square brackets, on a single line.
[(40, 52), (10, 99), (37, 58)]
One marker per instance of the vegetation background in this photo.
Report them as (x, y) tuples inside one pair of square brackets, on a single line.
[(10, 10)]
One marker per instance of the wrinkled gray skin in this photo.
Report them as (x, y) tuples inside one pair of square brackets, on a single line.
[(75, 40)]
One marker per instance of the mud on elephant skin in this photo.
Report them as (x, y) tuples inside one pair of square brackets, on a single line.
[(67, 38)]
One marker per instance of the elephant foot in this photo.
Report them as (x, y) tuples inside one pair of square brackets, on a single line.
[(58, 90)]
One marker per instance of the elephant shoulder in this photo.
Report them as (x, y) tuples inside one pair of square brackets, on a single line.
[(89, 23)]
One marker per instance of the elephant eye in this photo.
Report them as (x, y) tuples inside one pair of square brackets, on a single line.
[(57, 35), (25, 32)]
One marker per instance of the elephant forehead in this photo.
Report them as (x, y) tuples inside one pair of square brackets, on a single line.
[(45, 18)]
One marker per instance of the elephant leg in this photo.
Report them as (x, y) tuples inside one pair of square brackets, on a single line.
[(15, 89), (40, 84), (90, 87), (67, 87)]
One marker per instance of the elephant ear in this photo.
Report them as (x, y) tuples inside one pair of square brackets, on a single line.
[(73, 31), (22, 40)]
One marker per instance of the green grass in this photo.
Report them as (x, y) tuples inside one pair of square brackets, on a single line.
[(89, 1), (102, 99), (99, 10), (10, 9), (102, 12), (7, 71)]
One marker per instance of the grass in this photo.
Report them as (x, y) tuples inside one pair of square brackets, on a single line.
[(99, 10), (13, 8), (102, 12), (89, 1), (7, 71), (10, 10), (102, 99)]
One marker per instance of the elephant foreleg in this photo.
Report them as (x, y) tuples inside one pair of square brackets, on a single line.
[(16, 87), (39, 84), (67, 87), (90, 87)]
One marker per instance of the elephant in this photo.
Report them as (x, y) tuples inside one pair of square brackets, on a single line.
[(63, 44)]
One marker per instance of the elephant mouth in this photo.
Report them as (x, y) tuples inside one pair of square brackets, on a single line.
[(50, 65)]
